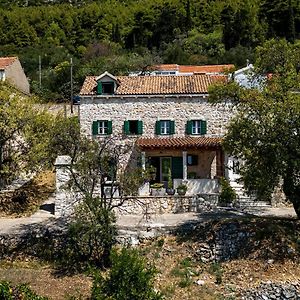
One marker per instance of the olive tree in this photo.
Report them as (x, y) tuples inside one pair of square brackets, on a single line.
[(24, 135), (103, 182)]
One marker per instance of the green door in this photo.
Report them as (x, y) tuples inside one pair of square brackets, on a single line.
[(166, 165)]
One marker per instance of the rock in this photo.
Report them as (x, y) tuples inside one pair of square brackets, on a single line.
[(133, 241), (200, 282)]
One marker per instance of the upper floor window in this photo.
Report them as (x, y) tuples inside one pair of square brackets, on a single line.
[(164, 127), (196, 127), (105, 88), (102, 127), (133, 127)]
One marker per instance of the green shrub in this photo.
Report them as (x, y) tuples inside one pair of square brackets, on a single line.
[(227, 194), (92, 234), (128, 279), (216, 269), (22, 291)]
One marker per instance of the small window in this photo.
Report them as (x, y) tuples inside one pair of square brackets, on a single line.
[(102, 127), (196, 127), (192, 160), (107, 88), (164, 127), (133, 127)]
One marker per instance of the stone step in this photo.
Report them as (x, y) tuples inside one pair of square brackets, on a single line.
[(245, 203)]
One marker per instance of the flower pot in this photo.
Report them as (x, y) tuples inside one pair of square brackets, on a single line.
[(181, 192), (158, 192), (170, 191)]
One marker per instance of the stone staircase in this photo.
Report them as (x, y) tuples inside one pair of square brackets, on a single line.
[(244, 200)]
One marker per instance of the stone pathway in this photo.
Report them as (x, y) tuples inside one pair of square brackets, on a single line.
[(45, 217)]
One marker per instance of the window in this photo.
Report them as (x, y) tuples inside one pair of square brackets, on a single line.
[(133, 127), (196, 127), (192, 160), (108, 88), (105, 88), (164, 127), (102, 127)]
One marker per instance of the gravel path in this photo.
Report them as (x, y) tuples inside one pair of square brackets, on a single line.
[(44, 216)]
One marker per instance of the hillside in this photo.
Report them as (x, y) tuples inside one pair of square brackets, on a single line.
[(264, 256), (136, 33)]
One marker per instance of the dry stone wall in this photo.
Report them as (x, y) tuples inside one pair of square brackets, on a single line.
[(150, 109)]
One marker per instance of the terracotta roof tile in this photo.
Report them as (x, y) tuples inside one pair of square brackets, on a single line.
[(193, 69), (156, 85), (6, 61), (179, 143), (205, 69)]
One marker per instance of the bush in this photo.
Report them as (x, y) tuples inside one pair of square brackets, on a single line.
[(128, 279), (227, 194), (92, 234), (22, 291)]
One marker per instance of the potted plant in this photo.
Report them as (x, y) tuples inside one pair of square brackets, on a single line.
[(157, 189), (170, 190), (181, 189)]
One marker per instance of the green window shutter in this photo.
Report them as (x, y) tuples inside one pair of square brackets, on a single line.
[(126, 127), (109, 127), (140, 127), (189, 127), (157, 128), (172, 127), (203, 127), (95, 127), (99, 88), (177, 167)]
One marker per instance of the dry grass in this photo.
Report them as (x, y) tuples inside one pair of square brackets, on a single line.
[(179, 270), (27, 199)]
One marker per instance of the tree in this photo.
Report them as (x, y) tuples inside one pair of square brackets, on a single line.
[(24, 136), (103, 183), (265, 133)]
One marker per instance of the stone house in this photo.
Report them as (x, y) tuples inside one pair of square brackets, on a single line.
[(12, 72), (167, 120)]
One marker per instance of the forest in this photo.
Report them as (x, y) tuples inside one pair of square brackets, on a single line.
[(120, 36)]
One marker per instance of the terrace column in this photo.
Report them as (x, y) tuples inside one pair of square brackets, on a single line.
[(184, 164), (143, 160)]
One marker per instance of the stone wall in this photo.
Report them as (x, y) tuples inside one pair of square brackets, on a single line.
[(66, 200), (16, 76), (168, 204), (272, 290), (152, 108)]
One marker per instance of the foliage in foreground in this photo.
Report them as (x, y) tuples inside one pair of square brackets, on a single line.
[(129, 279), (92, 233), (24, 135), (22, 292), (265, 133)]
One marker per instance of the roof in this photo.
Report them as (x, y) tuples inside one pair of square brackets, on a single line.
[(179, 143), (193, 69), (157, 85), (6, 61)]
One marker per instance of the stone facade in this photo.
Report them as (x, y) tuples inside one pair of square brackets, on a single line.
[(66, 200), (150, 109)]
